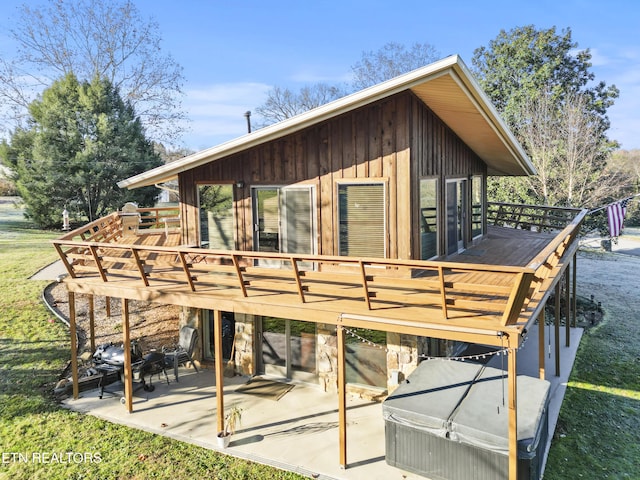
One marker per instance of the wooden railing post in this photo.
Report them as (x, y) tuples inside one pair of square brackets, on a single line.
[(96, 258), (140, 266), (296, 276), (236, 264), (185, 267), (519, 293), (365, 286), (443, 293)]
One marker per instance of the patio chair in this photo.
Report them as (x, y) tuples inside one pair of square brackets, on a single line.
[(181, 354)]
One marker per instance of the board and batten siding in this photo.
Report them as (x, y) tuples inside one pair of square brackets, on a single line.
[(396, 141)]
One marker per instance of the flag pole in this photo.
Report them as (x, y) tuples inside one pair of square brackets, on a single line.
[(612, 203)]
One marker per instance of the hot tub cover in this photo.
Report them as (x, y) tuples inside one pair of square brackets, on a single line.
[(468, 402), (430, 395)]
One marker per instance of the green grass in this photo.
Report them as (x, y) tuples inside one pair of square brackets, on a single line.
[(36, 434), (598, 432)]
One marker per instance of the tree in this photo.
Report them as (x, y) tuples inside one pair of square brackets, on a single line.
[(283, 103), (94, 38), (391, 60), (628, 163), (560, 142), (540, 83), (524, 61), (82, 138)]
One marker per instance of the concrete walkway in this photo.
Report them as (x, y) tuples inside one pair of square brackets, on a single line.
[(299, 432)]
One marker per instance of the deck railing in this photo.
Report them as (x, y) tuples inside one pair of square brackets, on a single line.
[(456, 289), (479, 292), (537, 218)]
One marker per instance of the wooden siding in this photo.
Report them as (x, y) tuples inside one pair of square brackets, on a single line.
[(397, 140)]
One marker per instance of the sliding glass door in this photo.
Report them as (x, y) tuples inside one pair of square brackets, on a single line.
[(456, 198), (284, 220), (287, 349)]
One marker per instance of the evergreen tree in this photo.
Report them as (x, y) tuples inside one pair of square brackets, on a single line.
[(543, 87), (81, 139)]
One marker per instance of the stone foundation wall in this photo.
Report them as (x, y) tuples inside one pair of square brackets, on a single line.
[(402, 358), (244, 354)]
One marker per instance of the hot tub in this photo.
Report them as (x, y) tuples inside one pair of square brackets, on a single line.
[(450, 421)]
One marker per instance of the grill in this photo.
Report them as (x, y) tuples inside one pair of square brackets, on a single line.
[(108, 361)]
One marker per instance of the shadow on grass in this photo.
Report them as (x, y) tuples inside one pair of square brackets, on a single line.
[(597, 436)]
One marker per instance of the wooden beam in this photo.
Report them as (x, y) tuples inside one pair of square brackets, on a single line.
[(140, 266), (219, 365), (342, 397), (574, 310), (365, 285), (557, 329), (96, 258), (65, 262), (567, 314), (518, 294), (513, 414), (185, 267), (236, 264), (541, 359), (296, 275), (74, 344), (443, 292), (92, 323), (126, 344)]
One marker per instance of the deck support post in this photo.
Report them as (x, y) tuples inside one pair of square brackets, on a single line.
[(342, 398), (557, 329), (541, 359), (92, 323), (574, 310), (219, 364), (567, 302), (74, 344), (126, 343), (513, 413)]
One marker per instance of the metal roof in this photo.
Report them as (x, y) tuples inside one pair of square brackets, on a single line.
[(447, 87)]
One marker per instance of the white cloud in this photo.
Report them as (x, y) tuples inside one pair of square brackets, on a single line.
[(217, 111), (598, 59)]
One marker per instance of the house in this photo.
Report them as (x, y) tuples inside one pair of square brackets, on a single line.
[(363, 219)]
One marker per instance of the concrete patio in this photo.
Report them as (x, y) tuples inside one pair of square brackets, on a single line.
[(299, 432)]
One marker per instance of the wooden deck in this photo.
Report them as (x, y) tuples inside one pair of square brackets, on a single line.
[(491, 290), (490, 294)]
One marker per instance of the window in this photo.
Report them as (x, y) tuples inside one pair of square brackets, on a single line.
[(284, 220), (476, 206), (365, 358), (428, 218), (216, 216), (361, 220)]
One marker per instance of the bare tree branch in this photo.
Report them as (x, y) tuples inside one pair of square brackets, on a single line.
[(93, 37)]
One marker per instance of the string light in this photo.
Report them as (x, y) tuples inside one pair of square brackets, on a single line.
[(364, 340), (461, 358)]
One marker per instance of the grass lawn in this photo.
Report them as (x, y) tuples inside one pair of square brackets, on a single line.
[(598, 432), (36, 434)]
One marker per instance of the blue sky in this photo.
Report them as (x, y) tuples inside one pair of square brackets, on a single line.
[(233, 52)]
